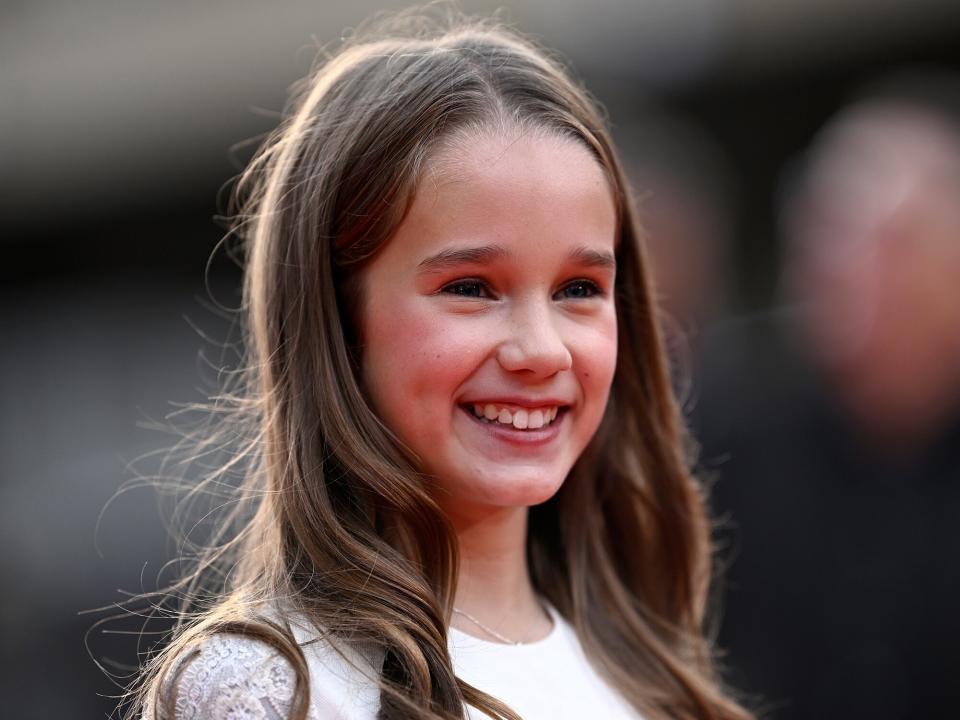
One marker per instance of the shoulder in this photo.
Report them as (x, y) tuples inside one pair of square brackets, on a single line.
[(235, 677), (231, 676)]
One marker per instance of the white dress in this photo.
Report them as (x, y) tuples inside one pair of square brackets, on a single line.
[(238, 678)]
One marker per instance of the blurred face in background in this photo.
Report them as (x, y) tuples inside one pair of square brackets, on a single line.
[(876, 245), (684, 190)]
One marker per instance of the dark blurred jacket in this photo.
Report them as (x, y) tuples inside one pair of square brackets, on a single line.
[(841, 598)]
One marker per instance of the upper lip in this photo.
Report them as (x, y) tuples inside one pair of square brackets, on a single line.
[(524, 402)]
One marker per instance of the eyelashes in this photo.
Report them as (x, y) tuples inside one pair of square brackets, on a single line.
[(468, 289), (471, 288), (579, 290)]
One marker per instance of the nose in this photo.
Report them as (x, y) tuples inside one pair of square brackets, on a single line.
[(534, 343)]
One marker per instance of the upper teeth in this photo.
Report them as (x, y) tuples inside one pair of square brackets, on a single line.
[(520, 418)]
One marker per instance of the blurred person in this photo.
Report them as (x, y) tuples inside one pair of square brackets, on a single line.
[(832, 427), (874, 261), (685, 192), (466, 490)]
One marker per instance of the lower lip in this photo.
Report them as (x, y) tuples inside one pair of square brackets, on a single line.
[(525, 438)]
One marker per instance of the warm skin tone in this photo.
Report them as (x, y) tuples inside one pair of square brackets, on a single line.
[(495, 296)]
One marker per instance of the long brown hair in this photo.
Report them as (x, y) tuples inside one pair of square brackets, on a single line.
[(333, 520)]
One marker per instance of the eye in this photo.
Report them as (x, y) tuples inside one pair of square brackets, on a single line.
[(467, 289), (578, 290)]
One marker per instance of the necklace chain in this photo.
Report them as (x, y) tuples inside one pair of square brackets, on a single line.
[(502, 638)]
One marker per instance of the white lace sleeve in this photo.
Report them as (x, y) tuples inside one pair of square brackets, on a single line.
[(234, 678)]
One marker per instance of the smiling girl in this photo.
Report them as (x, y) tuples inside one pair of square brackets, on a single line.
[(468, 493)]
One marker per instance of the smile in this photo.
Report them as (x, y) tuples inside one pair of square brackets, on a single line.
[(517, 417)]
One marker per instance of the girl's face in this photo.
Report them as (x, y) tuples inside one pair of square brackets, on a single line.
[(490, 333)]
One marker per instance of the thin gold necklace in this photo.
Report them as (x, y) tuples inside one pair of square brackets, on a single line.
[(502, 638)]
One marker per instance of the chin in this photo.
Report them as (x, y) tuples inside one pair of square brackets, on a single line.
[(525, 490)]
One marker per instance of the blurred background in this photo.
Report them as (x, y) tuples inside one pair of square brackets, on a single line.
[(797, 165)]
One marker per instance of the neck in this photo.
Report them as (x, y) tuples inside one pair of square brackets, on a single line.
[(494, 584)]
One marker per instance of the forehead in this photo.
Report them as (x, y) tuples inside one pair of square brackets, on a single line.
[(534, 189), (495, 155)]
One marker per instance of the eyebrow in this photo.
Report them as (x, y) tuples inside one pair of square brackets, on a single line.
[(452, 257), (484, 254), (594, 258)]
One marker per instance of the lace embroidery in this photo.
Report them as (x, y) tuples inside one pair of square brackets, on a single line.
[(235, 678)]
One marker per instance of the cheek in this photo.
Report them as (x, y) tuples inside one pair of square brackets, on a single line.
[(597, 361), (415, 359)]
